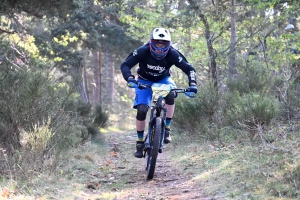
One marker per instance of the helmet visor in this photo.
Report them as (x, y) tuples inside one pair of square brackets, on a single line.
[(160, 46)]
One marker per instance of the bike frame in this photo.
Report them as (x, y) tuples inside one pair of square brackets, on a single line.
[(157, 110)]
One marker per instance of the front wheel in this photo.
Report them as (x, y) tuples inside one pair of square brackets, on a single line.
[(154, 147)]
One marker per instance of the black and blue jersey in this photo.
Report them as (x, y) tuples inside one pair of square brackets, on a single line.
[(155, 70)]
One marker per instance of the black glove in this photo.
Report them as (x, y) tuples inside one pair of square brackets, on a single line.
[(132, 83)]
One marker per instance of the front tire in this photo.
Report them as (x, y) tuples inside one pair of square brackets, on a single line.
[(154, 146)]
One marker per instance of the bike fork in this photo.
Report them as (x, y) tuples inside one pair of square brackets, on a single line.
[(149, 135), (150, 125), (163, 131)]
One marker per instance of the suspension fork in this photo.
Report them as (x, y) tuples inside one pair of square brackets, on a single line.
[(163, 130), (158, 108), (151, 122)]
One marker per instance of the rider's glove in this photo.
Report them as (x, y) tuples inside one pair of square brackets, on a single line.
[(191, 91), (132, 83)]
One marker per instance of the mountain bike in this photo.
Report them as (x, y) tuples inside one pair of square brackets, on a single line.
[(156, 126)]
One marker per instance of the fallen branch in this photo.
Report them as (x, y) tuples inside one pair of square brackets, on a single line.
[(4, 31)]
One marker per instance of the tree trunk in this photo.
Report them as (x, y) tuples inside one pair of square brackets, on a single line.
[(110, 73), (84, 82), (232, 55), (209, 43), (97, 77), (79, 82), (181, 4)]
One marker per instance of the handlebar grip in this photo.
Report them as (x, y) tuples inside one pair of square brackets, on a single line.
[(190, 94)]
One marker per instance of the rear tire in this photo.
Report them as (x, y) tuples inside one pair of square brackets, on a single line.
[(154, 146)]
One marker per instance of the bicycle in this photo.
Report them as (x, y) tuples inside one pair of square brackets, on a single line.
[(156, 127)]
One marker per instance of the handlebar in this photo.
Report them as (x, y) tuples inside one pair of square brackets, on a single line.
[(176, 90), (144, 86)]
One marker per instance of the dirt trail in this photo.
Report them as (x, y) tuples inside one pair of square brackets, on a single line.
[(129, 174)]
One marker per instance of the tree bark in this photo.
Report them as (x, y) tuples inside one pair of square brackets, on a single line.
[(181, 4), (97, 91), (79, 81), (232, 51), (110, 73), (85, 83), (209, 42)]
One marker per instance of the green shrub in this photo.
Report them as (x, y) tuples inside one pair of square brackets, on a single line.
[(83, 108), (292, 102), (194, 115), (229, 106), (39, 119), (252, 109), (292, 176), (92, 118), (187, 115), (27, 98), (252, 77), (100, 117)]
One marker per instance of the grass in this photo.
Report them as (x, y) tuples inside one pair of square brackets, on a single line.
[(237, 170), (81, 166), (241, 170)]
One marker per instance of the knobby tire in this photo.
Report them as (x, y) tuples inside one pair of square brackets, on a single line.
[(154, 146)]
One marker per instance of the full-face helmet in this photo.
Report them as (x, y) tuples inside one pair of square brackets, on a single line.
[(160, 41)]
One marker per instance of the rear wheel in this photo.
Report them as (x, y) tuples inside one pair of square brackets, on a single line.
[(154, 146)]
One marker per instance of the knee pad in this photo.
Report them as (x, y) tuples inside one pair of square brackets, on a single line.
[(142, 110), (170, 98)]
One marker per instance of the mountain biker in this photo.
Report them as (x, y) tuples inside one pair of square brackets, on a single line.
[(155, 60)]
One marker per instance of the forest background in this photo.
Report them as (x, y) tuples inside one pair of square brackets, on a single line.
[(61, 83)]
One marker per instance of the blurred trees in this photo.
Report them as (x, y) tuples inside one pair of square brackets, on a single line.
[(41, 8)]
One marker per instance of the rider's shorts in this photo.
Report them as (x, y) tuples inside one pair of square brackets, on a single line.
[(144, 96)]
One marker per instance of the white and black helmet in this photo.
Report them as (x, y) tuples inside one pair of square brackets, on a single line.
[(162, 36)]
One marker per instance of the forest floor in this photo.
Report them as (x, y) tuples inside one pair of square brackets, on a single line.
[(122, 176), (107, 170)]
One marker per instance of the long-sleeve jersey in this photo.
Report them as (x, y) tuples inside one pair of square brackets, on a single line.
[(155, 70)]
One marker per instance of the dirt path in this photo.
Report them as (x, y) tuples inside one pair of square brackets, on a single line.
[(126, 178)]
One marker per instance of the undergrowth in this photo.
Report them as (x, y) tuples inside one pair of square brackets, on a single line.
[(242, 142), (243, 169)]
